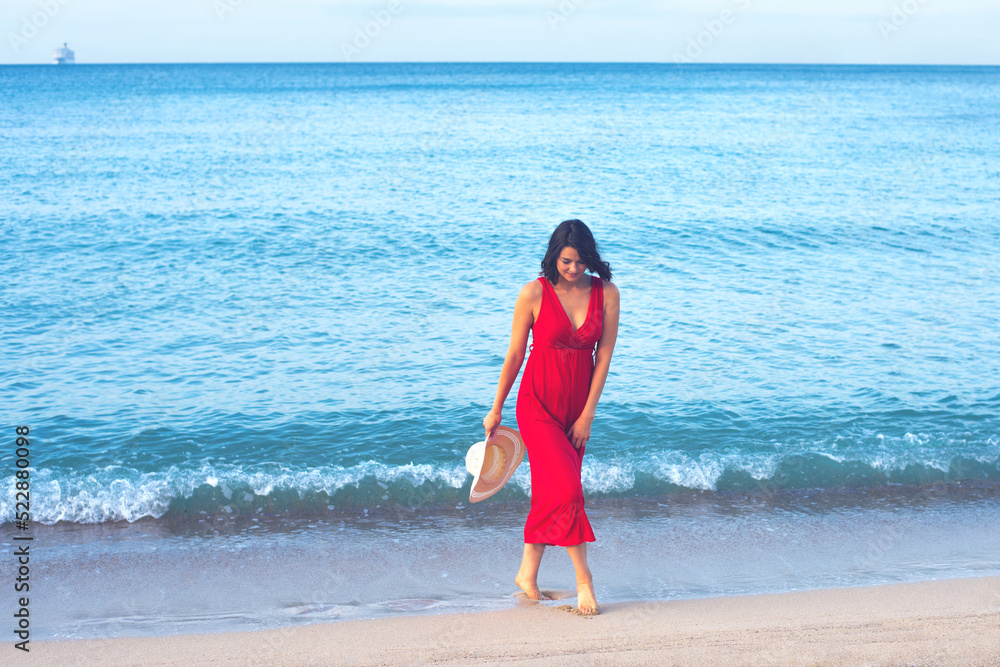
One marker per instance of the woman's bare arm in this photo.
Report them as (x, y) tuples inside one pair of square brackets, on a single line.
[(602, 362), (524, 308)]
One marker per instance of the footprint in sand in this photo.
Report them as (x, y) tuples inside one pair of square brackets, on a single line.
[(573, 610), (553, 595)]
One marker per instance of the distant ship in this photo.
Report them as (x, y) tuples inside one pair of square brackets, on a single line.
[(63, 56)]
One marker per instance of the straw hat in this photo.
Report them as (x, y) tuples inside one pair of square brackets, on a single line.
[(493, 461)]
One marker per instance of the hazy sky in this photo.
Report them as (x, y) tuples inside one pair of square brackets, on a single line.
[(805, 31)]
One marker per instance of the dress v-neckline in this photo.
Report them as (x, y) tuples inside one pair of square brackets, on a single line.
[(590, 303)]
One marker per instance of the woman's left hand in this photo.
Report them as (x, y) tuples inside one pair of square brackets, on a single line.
[(579, 433)]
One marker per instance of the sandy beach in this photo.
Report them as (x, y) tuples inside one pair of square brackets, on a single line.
[(946, 622)]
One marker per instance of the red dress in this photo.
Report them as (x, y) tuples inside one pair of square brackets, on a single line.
[(553, 392)]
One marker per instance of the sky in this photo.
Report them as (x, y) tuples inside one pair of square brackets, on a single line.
[(711, 31)]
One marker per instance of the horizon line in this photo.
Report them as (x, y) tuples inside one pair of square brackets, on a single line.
[(513, 62)]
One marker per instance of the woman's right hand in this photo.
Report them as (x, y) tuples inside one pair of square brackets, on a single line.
[(490, 422)]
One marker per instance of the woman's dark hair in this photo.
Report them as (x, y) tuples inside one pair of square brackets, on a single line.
[(576, 235)]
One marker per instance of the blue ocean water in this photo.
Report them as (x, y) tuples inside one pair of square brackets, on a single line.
[(293, 284), (275, 291)]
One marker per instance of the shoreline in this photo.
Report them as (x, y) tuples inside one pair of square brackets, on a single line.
[(941, 622), (165, 580)]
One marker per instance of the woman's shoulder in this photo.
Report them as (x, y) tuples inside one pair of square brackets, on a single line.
[(533, 289), (610, 290)]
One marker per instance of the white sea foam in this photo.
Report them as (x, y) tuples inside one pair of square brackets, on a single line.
[(121, 493)]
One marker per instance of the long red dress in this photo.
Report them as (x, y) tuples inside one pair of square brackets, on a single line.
[(553, 392)]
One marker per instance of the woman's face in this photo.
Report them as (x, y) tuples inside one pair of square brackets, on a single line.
[(569, 264)]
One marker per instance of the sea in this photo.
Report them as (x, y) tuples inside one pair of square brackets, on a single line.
[(254, 315)]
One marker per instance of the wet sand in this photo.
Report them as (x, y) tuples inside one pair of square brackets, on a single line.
[(944, 622)]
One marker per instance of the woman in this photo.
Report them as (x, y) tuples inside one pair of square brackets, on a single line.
[(568, 311)]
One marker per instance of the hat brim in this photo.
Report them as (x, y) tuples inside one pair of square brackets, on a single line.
[(512, 445)]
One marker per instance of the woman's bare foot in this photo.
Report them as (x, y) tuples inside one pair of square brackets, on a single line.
[(530, 588), (585, 601)]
